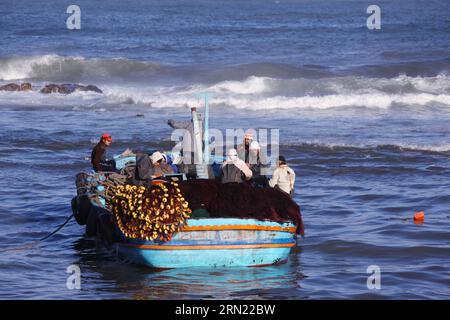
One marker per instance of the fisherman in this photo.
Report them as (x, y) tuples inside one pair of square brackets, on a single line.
[(256, 163), (283, 177), (244, 148), (160, 166), (234, 169), (188, 145), (98, 156)]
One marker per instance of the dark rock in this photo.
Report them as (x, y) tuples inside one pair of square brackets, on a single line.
[(52, 88), (26, 86), (65, 88), (16, 87), (68, 88), (91, 88)]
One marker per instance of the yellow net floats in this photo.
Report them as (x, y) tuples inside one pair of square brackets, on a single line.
[(149, 213)]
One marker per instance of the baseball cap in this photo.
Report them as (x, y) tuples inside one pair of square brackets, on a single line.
[(107, 136)]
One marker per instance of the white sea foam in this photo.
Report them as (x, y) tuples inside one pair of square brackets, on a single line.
[(251, 85), (255, 102), (53, 68), (17, 68), (252, 93), (159, 97)]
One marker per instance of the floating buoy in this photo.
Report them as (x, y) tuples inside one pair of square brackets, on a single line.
[(419, 217)]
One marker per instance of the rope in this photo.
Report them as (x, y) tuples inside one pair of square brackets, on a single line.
[(111, 179), (57, 229), (35, 243)]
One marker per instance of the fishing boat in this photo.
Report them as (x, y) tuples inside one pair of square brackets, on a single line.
[(200, 242)]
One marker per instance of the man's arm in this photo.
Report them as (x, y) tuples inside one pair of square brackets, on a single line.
[(275, 177), (96, 159), (244, 168), (178, 124), (292, 177)]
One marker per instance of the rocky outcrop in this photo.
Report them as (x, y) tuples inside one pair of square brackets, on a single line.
[(68, 88), (26, 86), (65, 88)]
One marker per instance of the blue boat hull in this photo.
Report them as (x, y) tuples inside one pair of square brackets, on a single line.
[(221, 242)]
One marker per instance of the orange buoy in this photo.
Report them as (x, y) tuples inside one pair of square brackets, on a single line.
[(419, 217)]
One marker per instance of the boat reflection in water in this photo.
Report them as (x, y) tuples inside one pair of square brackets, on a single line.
[(140, 282)]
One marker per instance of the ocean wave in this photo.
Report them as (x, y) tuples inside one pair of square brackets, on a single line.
[(358, 148), (57, 68), (380, 100), (253, 95), (53, 67), (411, 68), (263, 93)]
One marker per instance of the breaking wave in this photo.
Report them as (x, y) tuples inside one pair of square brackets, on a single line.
[(382, 147), (58, 68), (263, 93), (257, 86), (71, 68)]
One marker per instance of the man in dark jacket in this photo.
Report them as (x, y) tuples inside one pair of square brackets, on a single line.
[(258, 164), (188, 145), (98, 155), (243, 149)]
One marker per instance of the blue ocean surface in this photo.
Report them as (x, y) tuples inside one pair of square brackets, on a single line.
[(363, 117)]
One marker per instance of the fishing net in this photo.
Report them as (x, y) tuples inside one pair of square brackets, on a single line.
[(157, 211), (241, 200)]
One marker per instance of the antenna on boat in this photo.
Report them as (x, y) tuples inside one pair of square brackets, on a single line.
[(201, 155), (206, 96)]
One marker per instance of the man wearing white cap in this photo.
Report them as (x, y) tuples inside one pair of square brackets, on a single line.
[(234, 169), (244, 148), (257, 161), (160, 167)]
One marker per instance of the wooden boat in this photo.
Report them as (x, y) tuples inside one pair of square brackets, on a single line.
[(202, 242), (219, 242)]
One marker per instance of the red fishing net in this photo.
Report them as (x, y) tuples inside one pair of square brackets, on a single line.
[(241, 200)]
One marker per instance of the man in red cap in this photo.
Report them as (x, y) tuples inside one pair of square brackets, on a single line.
[(98, 155)]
